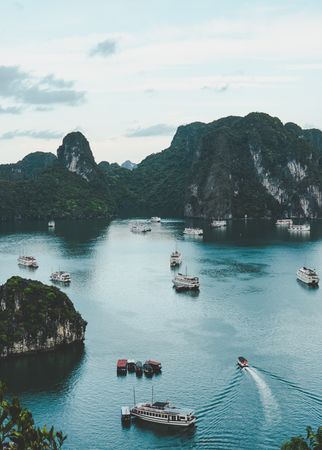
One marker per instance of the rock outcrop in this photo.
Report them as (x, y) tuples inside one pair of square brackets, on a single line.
[(35, 317), (129, 165)]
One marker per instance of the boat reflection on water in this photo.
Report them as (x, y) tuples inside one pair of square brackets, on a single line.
[(164, 431), (54, 370)]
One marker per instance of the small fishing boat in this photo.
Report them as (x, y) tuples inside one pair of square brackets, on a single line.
[(308, 276), (155, 219), (242, 362), (148, 369), (193, 231), (138, 368), (156, 365), (131, 365), (175, 259), (28, 261), (121, 366), (186, 282), (164, 413), (284, 222), (60, 277), (218, 223), (306, 228), (125, 414), (51, 224)]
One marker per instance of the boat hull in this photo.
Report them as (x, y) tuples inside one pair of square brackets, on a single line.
[(161, 421)]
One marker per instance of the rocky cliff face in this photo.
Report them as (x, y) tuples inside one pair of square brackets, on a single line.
[(35, 317), (75, 154)]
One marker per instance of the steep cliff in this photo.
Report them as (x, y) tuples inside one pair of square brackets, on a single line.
[(36, 317)]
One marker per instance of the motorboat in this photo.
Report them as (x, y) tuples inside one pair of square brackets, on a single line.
[(306, 228), (155, 219), (121, 366), (131, 365), (140, 228), (242, 362), (51, 224), (148, 369), (60, 277), (284, 222), (125, 414), (186, 282), (193, 231), (175, 259), (28, 261), (308, 276), (218, 223), (138, 368), (156, 365), (164, 413)]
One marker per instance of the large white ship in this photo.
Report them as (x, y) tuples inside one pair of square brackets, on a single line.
[(284, 222), (60, 277), (193, 231), (308, 276), (28, 261), (164, 413), (175, 258), (186, 282), (306, 228)]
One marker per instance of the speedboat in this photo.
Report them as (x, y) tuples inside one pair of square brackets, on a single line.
[(242, 362), (193, 231), (308, 276), (175, 259), (28, 261), (155, 219), (164, 413), (186, 282)]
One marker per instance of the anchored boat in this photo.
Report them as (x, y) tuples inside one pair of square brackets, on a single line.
[(242, 362), (121, 366), (131, 365), (138, 368), (218, 223), (300, 228), (148, 370), (193, 231), (186, 282), (175, 259), (308, 276), (140, 228), (60, 277), (155, 219), (28, 261), (284, 222), (164, 413)]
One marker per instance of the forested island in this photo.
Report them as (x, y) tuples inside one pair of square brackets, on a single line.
[(35, 317)]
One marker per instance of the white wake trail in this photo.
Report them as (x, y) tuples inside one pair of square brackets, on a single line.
[(270, 405)]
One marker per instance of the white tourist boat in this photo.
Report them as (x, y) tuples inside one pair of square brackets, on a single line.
[(193, 231), (184, 282), (51, 224), (306, 228), (140, 228), (164, 413), (155, 219), (175, 259), (308, 276), (60, 276), (218, 223), (28, 261), (284, 222)]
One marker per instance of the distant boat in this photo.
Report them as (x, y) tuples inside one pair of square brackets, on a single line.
[(28, 261), (51, 224), (155, 219), (156, 365), (242, 362), (308, 276), (306, 228), (131, 365), (138, 368), (164, 413), (148, 370), (186, 282), (125, 414), (121, 366), (193, 231), (140, 228), (218, 223), (175, 258), (61, 277), (284, 222)]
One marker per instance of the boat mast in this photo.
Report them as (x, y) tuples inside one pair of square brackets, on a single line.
[(134, 396), (152, 394)]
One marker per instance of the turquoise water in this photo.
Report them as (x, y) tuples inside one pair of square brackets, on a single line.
[(249, 304)]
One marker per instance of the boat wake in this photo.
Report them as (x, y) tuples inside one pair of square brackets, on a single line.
[(270, 405)]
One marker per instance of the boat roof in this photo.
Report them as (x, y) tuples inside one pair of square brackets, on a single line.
[(131, 361), (125, 410), (166, 408), (121, 362), (152, 362)]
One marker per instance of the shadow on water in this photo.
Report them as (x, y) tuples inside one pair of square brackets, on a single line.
[(43, 371), (162, 431)]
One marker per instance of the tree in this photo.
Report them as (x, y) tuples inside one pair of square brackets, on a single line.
[(18, 431), (313, 441)]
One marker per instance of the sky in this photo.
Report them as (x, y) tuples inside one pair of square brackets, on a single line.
[(127, 73)]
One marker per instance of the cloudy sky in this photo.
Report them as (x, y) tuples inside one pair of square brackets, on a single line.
[(126, 73)]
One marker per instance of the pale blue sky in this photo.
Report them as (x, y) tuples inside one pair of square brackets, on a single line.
[(127, 73)]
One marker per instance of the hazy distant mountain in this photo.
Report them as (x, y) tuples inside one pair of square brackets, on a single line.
[(129, 165), (233, 166)]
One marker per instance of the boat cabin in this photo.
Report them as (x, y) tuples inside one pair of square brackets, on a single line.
[(156, 365), (121, 366)]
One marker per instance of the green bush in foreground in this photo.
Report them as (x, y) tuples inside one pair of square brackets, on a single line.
[(313, 441), (18, 431)]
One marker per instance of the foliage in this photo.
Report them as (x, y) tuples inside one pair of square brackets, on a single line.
[(313, 441), (18, 430)]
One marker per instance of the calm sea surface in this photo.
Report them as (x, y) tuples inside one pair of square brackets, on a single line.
[(249, 304)]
